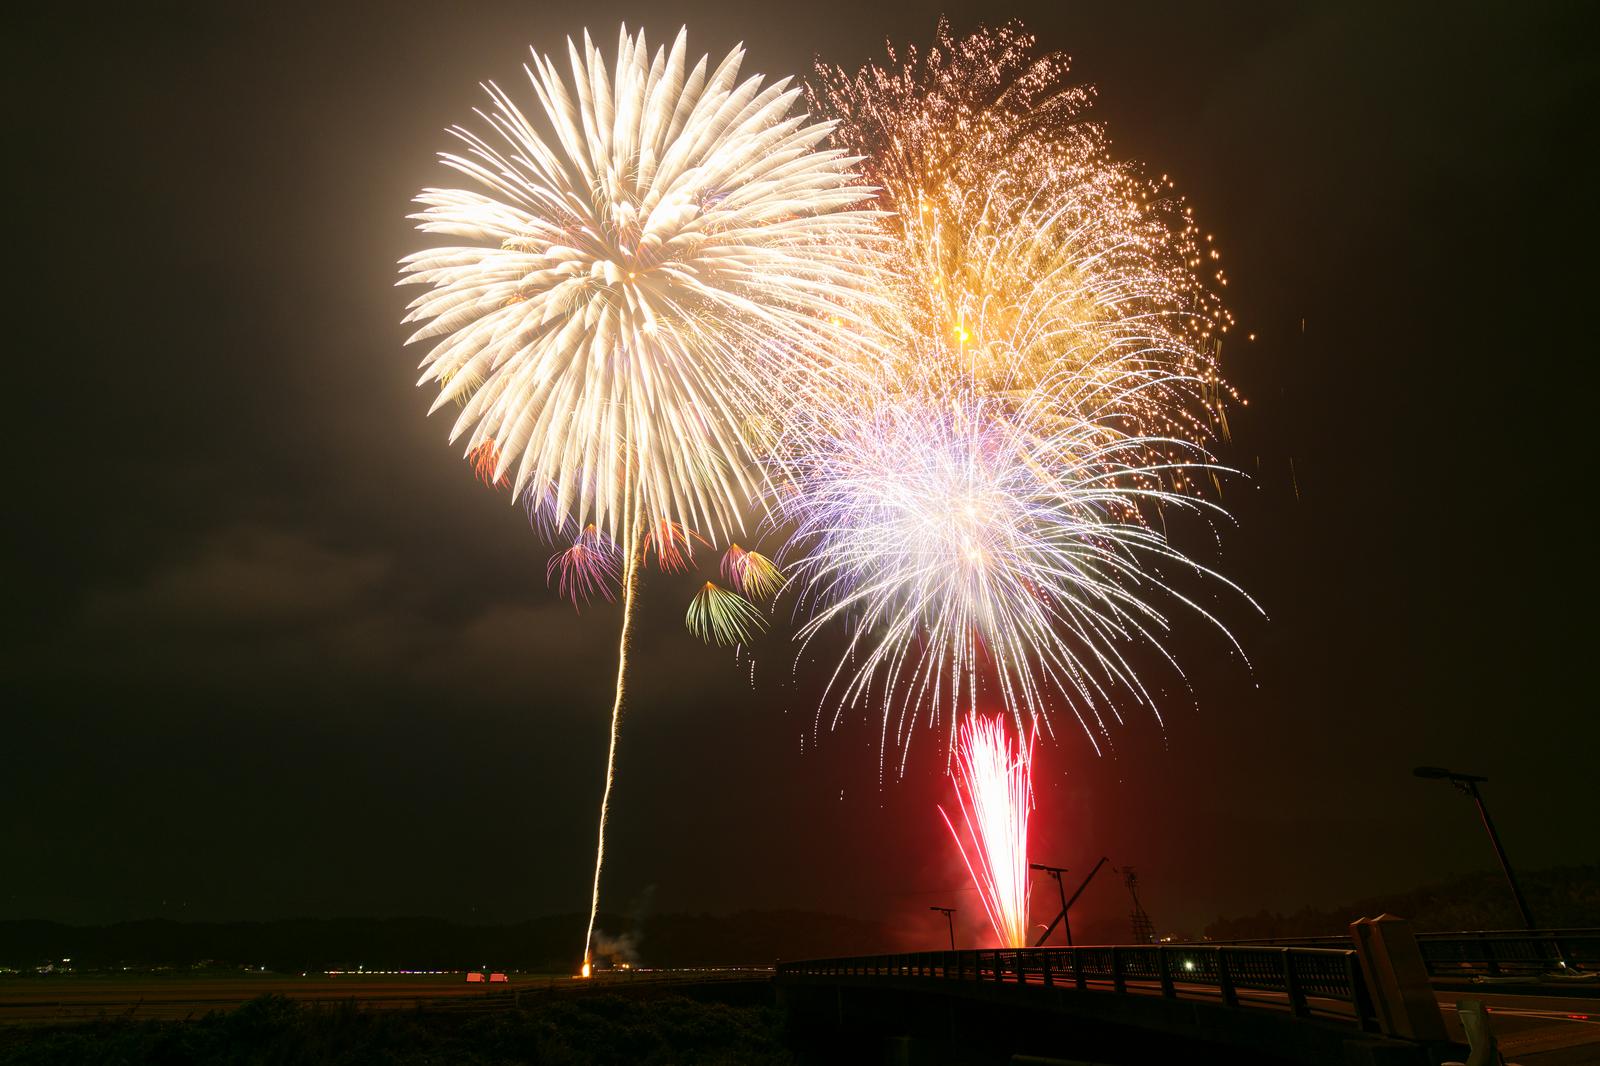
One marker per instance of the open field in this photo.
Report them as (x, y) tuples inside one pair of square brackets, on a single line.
[(56, 998), (1548, 1030)]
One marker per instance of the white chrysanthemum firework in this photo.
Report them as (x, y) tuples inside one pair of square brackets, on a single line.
[(963, 551), (642, 285)]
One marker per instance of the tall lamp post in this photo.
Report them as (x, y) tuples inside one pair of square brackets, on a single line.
[(1467, 784), (1066, 904), (1061, 889), (949, 921)]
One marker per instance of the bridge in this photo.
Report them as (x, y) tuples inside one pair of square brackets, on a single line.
[(1383, 995), (1491, 956)]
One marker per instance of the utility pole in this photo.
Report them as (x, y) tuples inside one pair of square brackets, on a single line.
[(948, 921), (1467, 785), (1144, 930)]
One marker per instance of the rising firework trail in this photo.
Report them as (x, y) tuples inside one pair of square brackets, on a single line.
[(994, 794), (645, 273)]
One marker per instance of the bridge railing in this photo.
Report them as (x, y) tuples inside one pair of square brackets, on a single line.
[(1510, 953), (1323, 982), (1524, 953)]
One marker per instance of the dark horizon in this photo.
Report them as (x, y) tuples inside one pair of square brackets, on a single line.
[(274, 652), (1564, 898)]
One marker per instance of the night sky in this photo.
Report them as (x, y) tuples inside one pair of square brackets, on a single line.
[(271, 651)]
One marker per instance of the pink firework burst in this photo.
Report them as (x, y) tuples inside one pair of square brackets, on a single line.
[(994, 789), (591, 565)]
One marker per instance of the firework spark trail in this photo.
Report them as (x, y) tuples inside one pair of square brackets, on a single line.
[(586, 568), (751, 573), (952, 544), (994, 791), (1023, 249), (672, 544), (991, 512), (630, 585), (642, 287), (718, 616)]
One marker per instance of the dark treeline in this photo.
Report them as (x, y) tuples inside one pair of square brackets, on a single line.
[(1566, 897), (543, 944)]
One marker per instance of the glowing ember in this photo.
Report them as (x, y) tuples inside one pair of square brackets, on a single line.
[(994, 787)]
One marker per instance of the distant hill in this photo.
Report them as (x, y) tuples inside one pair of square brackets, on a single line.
[(543, 944), (1564, 897)]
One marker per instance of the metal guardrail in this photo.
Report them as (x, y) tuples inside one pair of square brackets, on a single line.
[(1307, 982), (1526, 953), (1511, 953)]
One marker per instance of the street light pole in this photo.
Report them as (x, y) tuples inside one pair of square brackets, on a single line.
[(1056, 872), (1066, 904), (1500, 853), (949, 921), (1467, 784)]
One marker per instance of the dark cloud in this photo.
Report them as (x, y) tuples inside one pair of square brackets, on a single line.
[(291, 611), (247, 576)]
